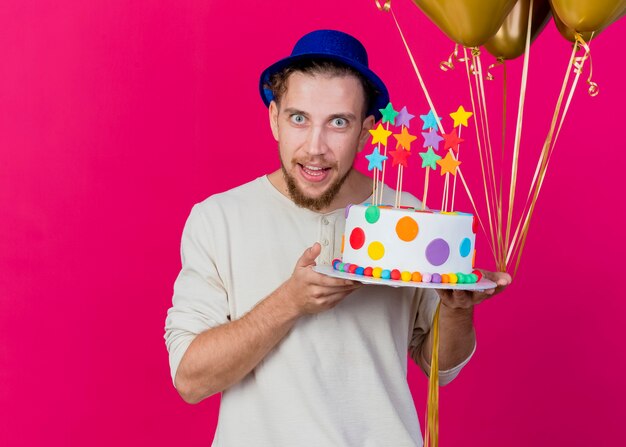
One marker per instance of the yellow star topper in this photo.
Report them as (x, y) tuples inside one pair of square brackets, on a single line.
[(448, 164), (404, 139), (380, 135), (460, 117)]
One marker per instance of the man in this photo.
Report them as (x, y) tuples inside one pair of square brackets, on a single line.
[(302, 359)]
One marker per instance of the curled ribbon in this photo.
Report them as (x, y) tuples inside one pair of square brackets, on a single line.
[(454, 56), (499, 61), (385, 8), (579, 62)]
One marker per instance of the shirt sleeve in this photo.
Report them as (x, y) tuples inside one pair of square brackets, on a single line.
[(423, 322), (200, 300)]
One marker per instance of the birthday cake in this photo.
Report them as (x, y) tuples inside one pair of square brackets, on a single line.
[(408, 244), (404, 243)]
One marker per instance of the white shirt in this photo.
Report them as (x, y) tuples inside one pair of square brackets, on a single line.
[(339, 377)]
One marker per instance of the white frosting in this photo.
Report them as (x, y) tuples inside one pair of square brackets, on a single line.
[(411, 256)]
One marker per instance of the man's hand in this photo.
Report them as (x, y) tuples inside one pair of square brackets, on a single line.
[(466, 299), (311, 292)]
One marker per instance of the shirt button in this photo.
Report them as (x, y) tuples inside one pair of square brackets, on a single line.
[(325, 242), (325, 221)]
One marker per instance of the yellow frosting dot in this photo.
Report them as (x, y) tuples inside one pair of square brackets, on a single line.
[(406, 276), (376, 250), (377, 272), (453, 278)]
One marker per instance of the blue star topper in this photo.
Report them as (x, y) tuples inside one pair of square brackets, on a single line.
[(375, 160)]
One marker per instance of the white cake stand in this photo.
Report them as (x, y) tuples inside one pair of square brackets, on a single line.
[(328, 270)]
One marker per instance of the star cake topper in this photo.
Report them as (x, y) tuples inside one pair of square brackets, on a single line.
[(389, 114), (460, 117), (404, 139), (380, 135), (429, 159), (430, 121), (375, 160)]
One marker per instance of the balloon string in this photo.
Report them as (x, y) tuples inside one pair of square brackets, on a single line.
[(543, 154), (417, 72), (501, 244), (593, 89), (518, 244), (480, 221), (486, 127), (518, 128), (432, 419), (479, 141)]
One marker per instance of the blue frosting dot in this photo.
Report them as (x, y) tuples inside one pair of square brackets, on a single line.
[(466, 247), (359, 270), (337, 261), (386, 274)]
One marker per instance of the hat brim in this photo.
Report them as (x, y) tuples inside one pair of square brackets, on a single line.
[(380, 101)]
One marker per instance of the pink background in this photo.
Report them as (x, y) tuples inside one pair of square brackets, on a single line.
[(116, 117)]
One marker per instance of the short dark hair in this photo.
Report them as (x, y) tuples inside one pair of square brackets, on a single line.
[(278, 81)]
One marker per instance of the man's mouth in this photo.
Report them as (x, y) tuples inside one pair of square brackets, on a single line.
[(313, 173)]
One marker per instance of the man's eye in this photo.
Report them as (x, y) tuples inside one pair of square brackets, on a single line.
[(297, 119), (340, 122)]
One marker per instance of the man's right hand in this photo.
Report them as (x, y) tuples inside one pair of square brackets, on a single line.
[(311, 292)]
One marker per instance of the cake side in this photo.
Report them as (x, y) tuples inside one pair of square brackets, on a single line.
[(410, 240)]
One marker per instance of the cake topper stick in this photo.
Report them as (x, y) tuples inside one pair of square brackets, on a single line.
[(458, 155), (375, 163), (429, 161), (379, 136), (388, 116), (403, 140), (382, 180)]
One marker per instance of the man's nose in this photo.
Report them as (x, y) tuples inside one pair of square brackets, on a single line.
[(316, 141)]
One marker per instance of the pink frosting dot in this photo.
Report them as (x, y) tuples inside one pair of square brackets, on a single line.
[(426, 277)]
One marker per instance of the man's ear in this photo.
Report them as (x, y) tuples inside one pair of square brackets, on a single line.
[(368, 124), (273, 116)]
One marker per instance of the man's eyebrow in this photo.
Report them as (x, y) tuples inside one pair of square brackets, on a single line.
[(292, 111)]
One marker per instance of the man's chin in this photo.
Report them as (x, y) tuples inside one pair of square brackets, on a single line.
[(318, 202)]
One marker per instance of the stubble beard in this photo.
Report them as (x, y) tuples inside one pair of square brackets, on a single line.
[(312, 203)]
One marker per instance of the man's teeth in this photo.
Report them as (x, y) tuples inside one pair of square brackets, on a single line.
[(313, 168)]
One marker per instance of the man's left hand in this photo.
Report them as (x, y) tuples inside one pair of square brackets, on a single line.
[(467, 299)]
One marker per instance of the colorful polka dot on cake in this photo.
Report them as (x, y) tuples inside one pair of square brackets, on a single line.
[(437, 252), (357, 238), (406, 229), (376, 250), (466, 247), (372, 214)]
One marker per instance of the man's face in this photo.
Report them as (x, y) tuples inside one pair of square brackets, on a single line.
[(320, 128)]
